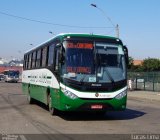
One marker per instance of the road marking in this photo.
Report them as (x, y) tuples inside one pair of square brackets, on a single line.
[(22, 137)]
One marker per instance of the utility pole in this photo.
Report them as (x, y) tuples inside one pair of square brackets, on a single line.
[(117, 31)]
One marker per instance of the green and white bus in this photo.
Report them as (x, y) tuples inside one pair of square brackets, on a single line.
[(77, 72)]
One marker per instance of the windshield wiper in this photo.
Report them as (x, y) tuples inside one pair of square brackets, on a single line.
[(109, 75), (83, 78), (99, 64)]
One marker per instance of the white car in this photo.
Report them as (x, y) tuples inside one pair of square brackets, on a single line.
[(1, 77)]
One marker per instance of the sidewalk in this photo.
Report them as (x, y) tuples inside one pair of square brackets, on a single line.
[(148, 96)]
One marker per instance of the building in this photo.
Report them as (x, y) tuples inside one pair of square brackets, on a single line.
[(3, 68), (1, 62), (137, 62)]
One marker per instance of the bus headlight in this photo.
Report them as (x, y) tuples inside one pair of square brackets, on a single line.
[(121, 95), (69, 94)]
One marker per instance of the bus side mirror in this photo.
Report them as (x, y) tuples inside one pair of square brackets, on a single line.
[(126, 55)]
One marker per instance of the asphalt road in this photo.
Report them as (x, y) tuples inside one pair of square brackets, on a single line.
[(18, 117)]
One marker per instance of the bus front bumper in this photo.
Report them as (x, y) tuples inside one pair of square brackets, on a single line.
[(82, 104)]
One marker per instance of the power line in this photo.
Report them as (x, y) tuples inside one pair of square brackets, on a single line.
[(49, 23)]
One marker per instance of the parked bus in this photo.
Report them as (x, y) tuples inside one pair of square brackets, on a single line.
[(11, 75), (77, 72)]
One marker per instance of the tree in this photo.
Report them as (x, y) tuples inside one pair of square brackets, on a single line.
[(130, 65), (151, 64)]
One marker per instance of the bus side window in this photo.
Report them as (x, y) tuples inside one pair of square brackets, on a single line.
[(51, 55), (33, 59), (47, 54), (27, 62), (44, 56), (30, 61), (56, 58), (24, 62), (38, 59)]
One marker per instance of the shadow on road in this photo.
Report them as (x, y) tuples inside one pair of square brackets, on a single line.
[(93, 116), (99, 116)]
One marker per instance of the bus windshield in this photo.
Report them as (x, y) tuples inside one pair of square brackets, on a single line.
[(88, 61), (12, 73)]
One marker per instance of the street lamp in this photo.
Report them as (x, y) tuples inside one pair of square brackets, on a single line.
[(115, 26), (51, 32)]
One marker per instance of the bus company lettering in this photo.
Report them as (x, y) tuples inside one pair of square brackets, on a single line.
[(100, 95), (79, 69), (80, 45)]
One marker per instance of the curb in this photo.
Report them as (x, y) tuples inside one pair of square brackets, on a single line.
[(151, 100)]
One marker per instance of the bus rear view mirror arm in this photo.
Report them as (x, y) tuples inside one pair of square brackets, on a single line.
[(126, 55)]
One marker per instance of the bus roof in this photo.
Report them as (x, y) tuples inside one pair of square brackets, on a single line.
[(63, 35), (11, 70)]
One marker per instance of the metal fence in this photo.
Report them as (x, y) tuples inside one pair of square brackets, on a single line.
[(149, 81)]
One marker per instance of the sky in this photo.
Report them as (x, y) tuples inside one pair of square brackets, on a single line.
[(138, 20)]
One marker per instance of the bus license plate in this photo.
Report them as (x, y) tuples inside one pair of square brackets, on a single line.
[(96, 106)]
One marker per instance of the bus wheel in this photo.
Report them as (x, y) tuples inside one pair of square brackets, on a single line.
[(29, 98), (52, 110)]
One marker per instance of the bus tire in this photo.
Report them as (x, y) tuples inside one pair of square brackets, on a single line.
[(52, 110), (29, 98)]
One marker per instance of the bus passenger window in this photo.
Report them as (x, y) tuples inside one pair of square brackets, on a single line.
[(24, 62), (44, 56), (30, 61), (38, 59), (33, 59), (27, 61), (56, 58), (51, 55)]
